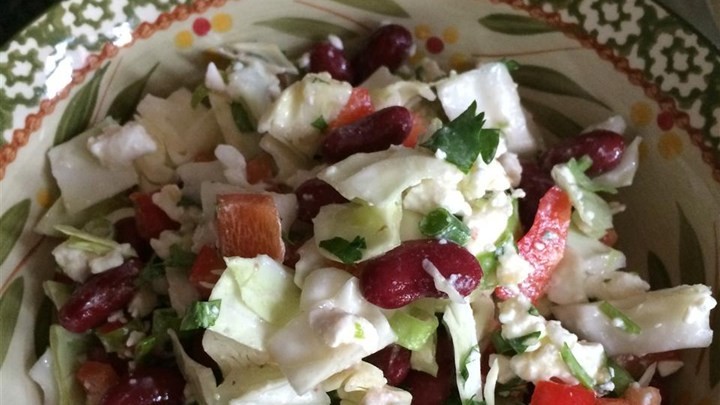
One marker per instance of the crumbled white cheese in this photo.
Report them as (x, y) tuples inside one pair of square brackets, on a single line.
[(505, 372), (164, 242), (512, 268), (484, 178), (336, 327), (487, 222), (517, 321), (142, 303), (79, 264), (433, 193), (118, 146)]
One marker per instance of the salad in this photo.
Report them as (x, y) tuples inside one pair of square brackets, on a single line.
[(352, 230)]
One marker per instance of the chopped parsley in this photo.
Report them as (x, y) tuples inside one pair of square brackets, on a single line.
[(464, 138), (320, 123), (347, 251), (180, 257)]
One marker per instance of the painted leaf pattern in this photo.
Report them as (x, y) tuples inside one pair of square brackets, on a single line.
[(125, 103), (551, 119), (307, 28), (10, 304), (12, 223), (384, 7), (657, 272), (691, 265), (549, 80), (512, 24), (78, 114)]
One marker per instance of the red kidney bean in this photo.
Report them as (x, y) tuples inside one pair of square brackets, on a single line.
[(147, 386), (394, 361), (397, 278), (429, 390), (324, 57), (605, 148), (535, 181), (90, 305), (126, 231), (375, 132), (388, 46), (314, 194)]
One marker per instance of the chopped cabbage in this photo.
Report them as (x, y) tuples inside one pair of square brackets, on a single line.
[(669, 319), (460, 323), (624, 173)]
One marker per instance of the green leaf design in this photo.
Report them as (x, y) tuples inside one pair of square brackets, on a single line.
[(42, 326), (551, 119), (78, 113), (307, 28), (692, 266), (125, 103), (385, 7), (12, 223), (658, 275), (9, 310), (551, 81), (512, 24)]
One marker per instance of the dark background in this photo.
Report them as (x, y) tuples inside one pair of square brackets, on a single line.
[(16, 14)]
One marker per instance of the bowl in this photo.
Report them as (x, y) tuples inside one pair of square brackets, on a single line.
[(581, 62)]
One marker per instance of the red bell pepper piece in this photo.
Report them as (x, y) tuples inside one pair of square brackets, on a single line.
[(249, 225), (206, 270), (552, 393), (359, 105), (543, 245), (96, 378), (150, 219)]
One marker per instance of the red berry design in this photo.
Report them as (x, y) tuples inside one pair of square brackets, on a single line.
[(201, 26)]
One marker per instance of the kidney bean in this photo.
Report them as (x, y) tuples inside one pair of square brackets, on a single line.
[(324, 57), (535, 181), (375, 132), (314, 194), (388, 46), (605, 148), (429, 390), (101, 295), (398, 278), (148, 386), (394, 361)]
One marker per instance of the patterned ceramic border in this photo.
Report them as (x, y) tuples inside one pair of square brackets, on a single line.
[(667, 59)]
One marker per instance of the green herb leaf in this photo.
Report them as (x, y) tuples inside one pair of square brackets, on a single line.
[(533, 311), (200, 95), (501, 344), (619, 319), (575, 368), (180, 257), (464, 373), (243, 120), (441, 224), (620, 377), (463, 139), (144, 347), (153, 269), (520, 344), (320, 123), (347, 251), (201, 315)]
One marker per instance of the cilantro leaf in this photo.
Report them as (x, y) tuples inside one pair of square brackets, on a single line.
[(464, 138), (441, 224), (513, 346), (347, 251), (201, 315)]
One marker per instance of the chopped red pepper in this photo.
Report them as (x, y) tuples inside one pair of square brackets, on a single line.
[(359, 105), (96, 378), (150, 219), (249, 225), (418, 128), (206, 270), (260, 168), (552, 393), (543, 245)]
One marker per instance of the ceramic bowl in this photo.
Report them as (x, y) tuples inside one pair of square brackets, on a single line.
[(582, 61)]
